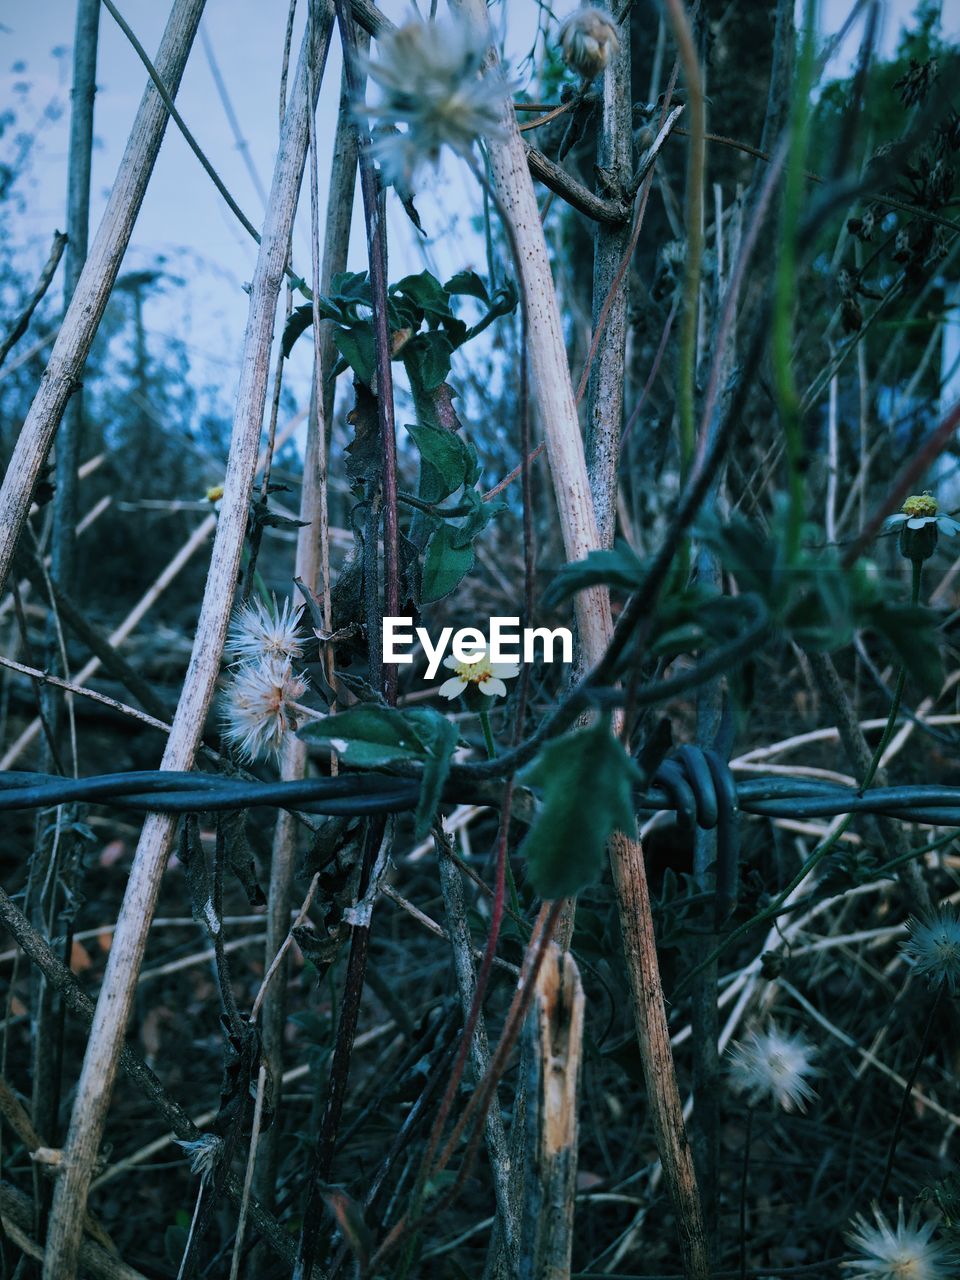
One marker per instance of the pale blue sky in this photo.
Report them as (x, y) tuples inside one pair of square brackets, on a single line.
[(183, 217)]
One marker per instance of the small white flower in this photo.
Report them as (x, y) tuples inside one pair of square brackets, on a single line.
[(771, 1066), (261, 631), (486, 675), (903, 1253), (933, 948), (257, 705), (433, 95), (588, 39)]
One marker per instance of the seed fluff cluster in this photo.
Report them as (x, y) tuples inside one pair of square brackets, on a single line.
[(904, 1252), (771, 1066), (933, 948), (432, 96), (588, 40), (259, 702)]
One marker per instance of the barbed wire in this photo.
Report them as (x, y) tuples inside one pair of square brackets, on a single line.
[(371, 793)]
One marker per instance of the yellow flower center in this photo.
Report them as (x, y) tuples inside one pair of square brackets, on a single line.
[(474, 672), (920, 504)]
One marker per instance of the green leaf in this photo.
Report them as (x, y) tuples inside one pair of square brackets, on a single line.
[(470, 284), (426, 291), (427, 356), (373, 737), (445, 564), (440, 737), (620, 567), (445, 461), (358, 348), (368, 737), (477, 519), (565, 846)]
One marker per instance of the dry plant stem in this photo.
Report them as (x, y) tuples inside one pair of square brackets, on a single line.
[(555, 1034), (82, 1006), (451, 885), (313, 568), (607, 374), (113, 1007), (680, 22), (865, 763), (480, 1100), (44, 281), (339, 1066), (553, 395), (16, 1214), (78, 229), (82, 320), (377, 254)]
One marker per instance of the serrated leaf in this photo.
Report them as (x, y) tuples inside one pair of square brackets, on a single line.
[(469, 284), (444, 461), (565, 846), (445, 564)]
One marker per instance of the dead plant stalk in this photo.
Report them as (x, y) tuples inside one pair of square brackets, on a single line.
[(113, 1008)]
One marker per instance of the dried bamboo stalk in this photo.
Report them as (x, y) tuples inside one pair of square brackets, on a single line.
[(65, 367), (120, 979), (554, 398)]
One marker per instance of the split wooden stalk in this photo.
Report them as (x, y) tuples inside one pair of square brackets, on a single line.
[(72, 346), (554, 399), (554, 1033), (451, 884), (120, 979)]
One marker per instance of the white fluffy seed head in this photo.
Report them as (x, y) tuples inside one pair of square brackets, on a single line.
[(257, 706), (771, 1066), (259, 630), (904, 1252), (933, 948), (432, 95), (588, 40)]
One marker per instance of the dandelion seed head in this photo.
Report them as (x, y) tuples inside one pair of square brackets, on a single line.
[(258, 708), (260, 630), (933, 948), (588, 40), (771, 1066), (204, 1153), (904, 1252), (432, 96)]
